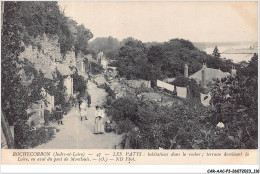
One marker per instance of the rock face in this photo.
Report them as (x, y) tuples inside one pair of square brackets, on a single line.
[(46, 56)]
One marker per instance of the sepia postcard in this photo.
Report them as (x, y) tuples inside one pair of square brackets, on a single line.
[(138, 82)]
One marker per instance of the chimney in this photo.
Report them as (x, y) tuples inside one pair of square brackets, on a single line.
[(233, 72), (186, 70), (203, 72)]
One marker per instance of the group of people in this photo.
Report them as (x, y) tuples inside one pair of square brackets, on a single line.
[(59, 112), (99, 114)]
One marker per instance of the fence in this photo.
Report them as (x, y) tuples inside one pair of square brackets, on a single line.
[(181, 91), (164, 85)]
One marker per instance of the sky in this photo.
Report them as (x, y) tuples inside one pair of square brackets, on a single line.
[(162, 21)]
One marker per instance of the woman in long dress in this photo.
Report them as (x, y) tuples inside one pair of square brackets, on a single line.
[(99, 126)]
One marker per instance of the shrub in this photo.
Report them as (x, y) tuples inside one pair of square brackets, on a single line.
[(124, 108), (31, 139), (79, 84), (235, 104), (181, 81)]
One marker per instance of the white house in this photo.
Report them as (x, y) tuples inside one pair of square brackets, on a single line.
[(100, 56), (207, 75), (80, 65), (68, 83), (104, 63), (49, 100)]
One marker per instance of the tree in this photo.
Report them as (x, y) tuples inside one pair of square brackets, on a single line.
[(155, 58), (22, 23), (59, 89), (216, 53), (235, 102), (124, 41), (105, 44), (82, 38), (14, 95), (79, 84), (133, 60)]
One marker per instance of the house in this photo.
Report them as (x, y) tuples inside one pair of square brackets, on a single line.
[(68, 81), (88, 61), (35, 111), (80, 65), (100, 56), (102, 60), (104, 63), (168, 80), (49, 100), (208, 75)]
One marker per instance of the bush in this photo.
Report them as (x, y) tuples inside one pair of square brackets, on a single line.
[(124, 108), (181, 81), (48, 116), (235, 104), (178, 127), (96, 68), (124, 126), (31, 139)]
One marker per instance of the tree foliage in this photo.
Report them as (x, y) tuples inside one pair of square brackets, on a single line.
[(22, 23), (79, 84), (105, 44), (164, 60), (133, 60), (216, 53), (235, 104)]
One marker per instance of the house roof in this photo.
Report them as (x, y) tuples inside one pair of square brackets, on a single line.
[(168, 80), (210, 74)]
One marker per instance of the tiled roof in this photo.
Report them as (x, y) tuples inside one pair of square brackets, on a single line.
[(210, 74)]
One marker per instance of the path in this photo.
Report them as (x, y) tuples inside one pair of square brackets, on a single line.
[(76, 134)]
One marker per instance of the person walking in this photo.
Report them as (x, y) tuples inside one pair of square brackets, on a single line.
[(83, 112), (99, 126), (89, 100), (79, 103), (59, 113)]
